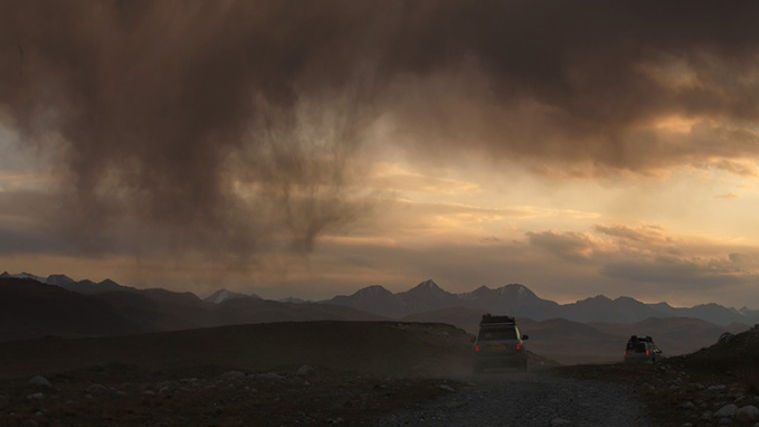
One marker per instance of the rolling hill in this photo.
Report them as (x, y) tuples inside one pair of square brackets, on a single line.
[(30, 309)]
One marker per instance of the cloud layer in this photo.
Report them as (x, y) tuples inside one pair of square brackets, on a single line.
[(230, 128)]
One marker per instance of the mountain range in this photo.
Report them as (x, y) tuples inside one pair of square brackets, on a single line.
[(518, 300), (512, 299), (589, 330)]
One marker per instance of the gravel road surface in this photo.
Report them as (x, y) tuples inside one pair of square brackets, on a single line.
[(527, 399)]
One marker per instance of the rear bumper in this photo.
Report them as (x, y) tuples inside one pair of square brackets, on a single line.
[(635, 358), (501, 360)]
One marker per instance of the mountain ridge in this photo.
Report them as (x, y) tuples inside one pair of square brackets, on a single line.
[(518, 300), (512, 299)]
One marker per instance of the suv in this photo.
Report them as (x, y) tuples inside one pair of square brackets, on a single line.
[(499, 344), (642, 349)]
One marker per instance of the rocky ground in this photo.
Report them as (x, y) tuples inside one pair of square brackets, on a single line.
[(667, 394), (678, 395), (390, 374), (527, 399), (125, 395)]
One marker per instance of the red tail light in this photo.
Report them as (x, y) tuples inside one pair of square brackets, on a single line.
[(648, 352), (625, 352), (477, 348), (519, 346)]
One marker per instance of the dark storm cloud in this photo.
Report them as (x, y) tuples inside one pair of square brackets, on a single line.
[(568, 245), (221, 124), (680, 273)]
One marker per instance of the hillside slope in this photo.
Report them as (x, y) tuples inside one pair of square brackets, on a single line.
[(29, 309), (387, 348)]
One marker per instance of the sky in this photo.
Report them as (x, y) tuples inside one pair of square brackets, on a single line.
[(308, 149)]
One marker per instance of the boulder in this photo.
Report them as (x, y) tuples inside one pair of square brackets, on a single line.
[(97, 389), (725, 338), (727, 411), (40, 381), (747, 413), (232, 375), (270, 375), (304, 370)]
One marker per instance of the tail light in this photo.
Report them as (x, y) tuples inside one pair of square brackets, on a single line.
[(476, 348), (648, 352), (625, 352), (519, 346)]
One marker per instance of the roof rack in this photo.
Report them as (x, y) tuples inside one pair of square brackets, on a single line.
[(489, 318)]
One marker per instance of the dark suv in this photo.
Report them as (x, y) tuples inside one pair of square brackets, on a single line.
[(642, 349), (499, 344)]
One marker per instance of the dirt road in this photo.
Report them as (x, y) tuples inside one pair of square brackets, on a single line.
[(527, 399)]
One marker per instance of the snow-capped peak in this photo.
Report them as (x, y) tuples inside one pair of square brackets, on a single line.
[(223, 295)]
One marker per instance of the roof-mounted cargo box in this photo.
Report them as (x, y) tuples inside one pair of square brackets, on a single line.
[(490, 319)]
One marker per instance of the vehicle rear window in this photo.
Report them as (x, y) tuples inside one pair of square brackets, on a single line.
[(498, 334), (638, 347)]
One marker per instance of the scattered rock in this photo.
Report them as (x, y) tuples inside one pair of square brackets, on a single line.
[(725, 338), (270, 375), (725, 421), (97, 389), (36, 396), (232, 375), (148, 393), (687, 405), (40, 381), (727, 411), (716, 387), (446, 387), (560, 422), (304, 370), (747, 413)]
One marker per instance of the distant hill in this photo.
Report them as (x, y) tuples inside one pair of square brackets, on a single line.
[(731, 354), (31, 309), (465, 318), (384, 348), (570, 342)]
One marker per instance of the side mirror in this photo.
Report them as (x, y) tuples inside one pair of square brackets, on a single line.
[(525, 337)]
